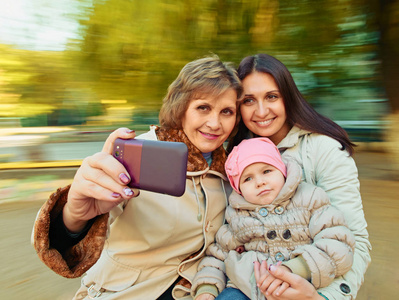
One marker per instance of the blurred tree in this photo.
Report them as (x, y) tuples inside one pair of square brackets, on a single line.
[(130, 47), (389, 47), (17, 80), (131, 50)]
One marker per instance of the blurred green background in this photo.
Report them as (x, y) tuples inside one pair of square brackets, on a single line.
[(73, 71), (108, 63)]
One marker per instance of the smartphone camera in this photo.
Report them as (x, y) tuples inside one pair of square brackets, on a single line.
[(117, 153)]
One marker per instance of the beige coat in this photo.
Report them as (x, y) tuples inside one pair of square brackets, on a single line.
[(299, 222), (153, 238)]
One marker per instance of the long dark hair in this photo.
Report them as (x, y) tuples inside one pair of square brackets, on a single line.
[(298, 110)]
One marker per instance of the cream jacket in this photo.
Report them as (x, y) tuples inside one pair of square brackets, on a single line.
[(151, 240), (299, 222)]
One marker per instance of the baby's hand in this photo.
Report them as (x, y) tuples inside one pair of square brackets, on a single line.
[(266, 282), (240, 249), (205, 297)]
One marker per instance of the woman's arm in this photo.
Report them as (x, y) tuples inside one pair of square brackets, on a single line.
[(336, 173), (96, 189)]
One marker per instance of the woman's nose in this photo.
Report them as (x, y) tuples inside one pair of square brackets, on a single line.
[(213, 121), (262, 110)]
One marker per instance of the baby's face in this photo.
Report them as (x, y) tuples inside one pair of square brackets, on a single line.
[(260, 183)]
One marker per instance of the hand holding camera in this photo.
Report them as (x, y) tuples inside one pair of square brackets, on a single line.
[(99, 185)]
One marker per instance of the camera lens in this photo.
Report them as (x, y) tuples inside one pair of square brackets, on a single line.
[(116, 153)]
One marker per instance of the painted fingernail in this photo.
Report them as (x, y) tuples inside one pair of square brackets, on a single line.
[(124, 178), (128, 192), (116, 195), (129, 131), (272, 268)]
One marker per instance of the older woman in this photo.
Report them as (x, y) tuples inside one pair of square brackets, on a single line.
[(273, 107), (148, 247)]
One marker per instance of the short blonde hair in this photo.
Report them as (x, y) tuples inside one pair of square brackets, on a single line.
[(201, 77)]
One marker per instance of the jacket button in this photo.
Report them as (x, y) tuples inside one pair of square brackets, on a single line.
[(271, 234), (263, 212), (345, 288), (279, 210), (286, 234), (279, 256)]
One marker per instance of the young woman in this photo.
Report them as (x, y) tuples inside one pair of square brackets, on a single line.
[(148, 247), (273, 107)]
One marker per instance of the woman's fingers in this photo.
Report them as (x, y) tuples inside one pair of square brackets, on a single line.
[(260, 272), (104, 188), (109, 165), (282, 273), (106, 172), (275, 284), (266, 284), (123, 133), (262, 276), (281, 289)]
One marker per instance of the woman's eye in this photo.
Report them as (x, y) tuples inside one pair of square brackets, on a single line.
[(248, 101), (272, 97), (202, 107), (228, 112)]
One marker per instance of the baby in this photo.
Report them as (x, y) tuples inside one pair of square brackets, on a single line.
[(272, 216)]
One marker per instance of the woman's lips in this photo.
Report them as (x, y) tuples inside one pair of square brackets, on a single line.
[(209, 136), (264, 123)]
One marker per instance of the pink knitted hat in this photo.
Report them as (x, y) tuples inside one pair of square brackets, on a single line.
[(249, 152)]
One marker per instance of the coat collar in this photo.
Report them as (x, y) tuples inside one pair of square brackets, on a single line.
[(196, 161), (292, 138)]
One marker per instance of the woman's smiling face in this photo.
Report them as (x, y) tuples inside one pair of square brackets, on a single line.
[(208, 121), (262, 107)]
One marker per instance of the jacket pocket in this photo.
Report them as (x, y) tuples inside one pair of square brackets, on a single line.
[(110, 275)]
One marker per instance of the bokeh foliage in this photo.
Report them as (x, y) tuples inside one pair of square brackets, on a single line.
[(130, 50)]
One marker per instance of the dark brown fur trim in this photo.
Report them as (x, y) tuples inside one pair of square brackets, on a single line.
[(80, 257), (184, 282)]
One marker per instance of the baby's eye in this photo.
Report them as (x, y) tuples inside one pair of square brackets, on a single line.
[(266, 171), (247, 179)]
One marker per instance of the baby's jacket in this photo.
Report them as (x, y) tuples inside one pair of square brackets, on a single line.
[(300, 227)]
